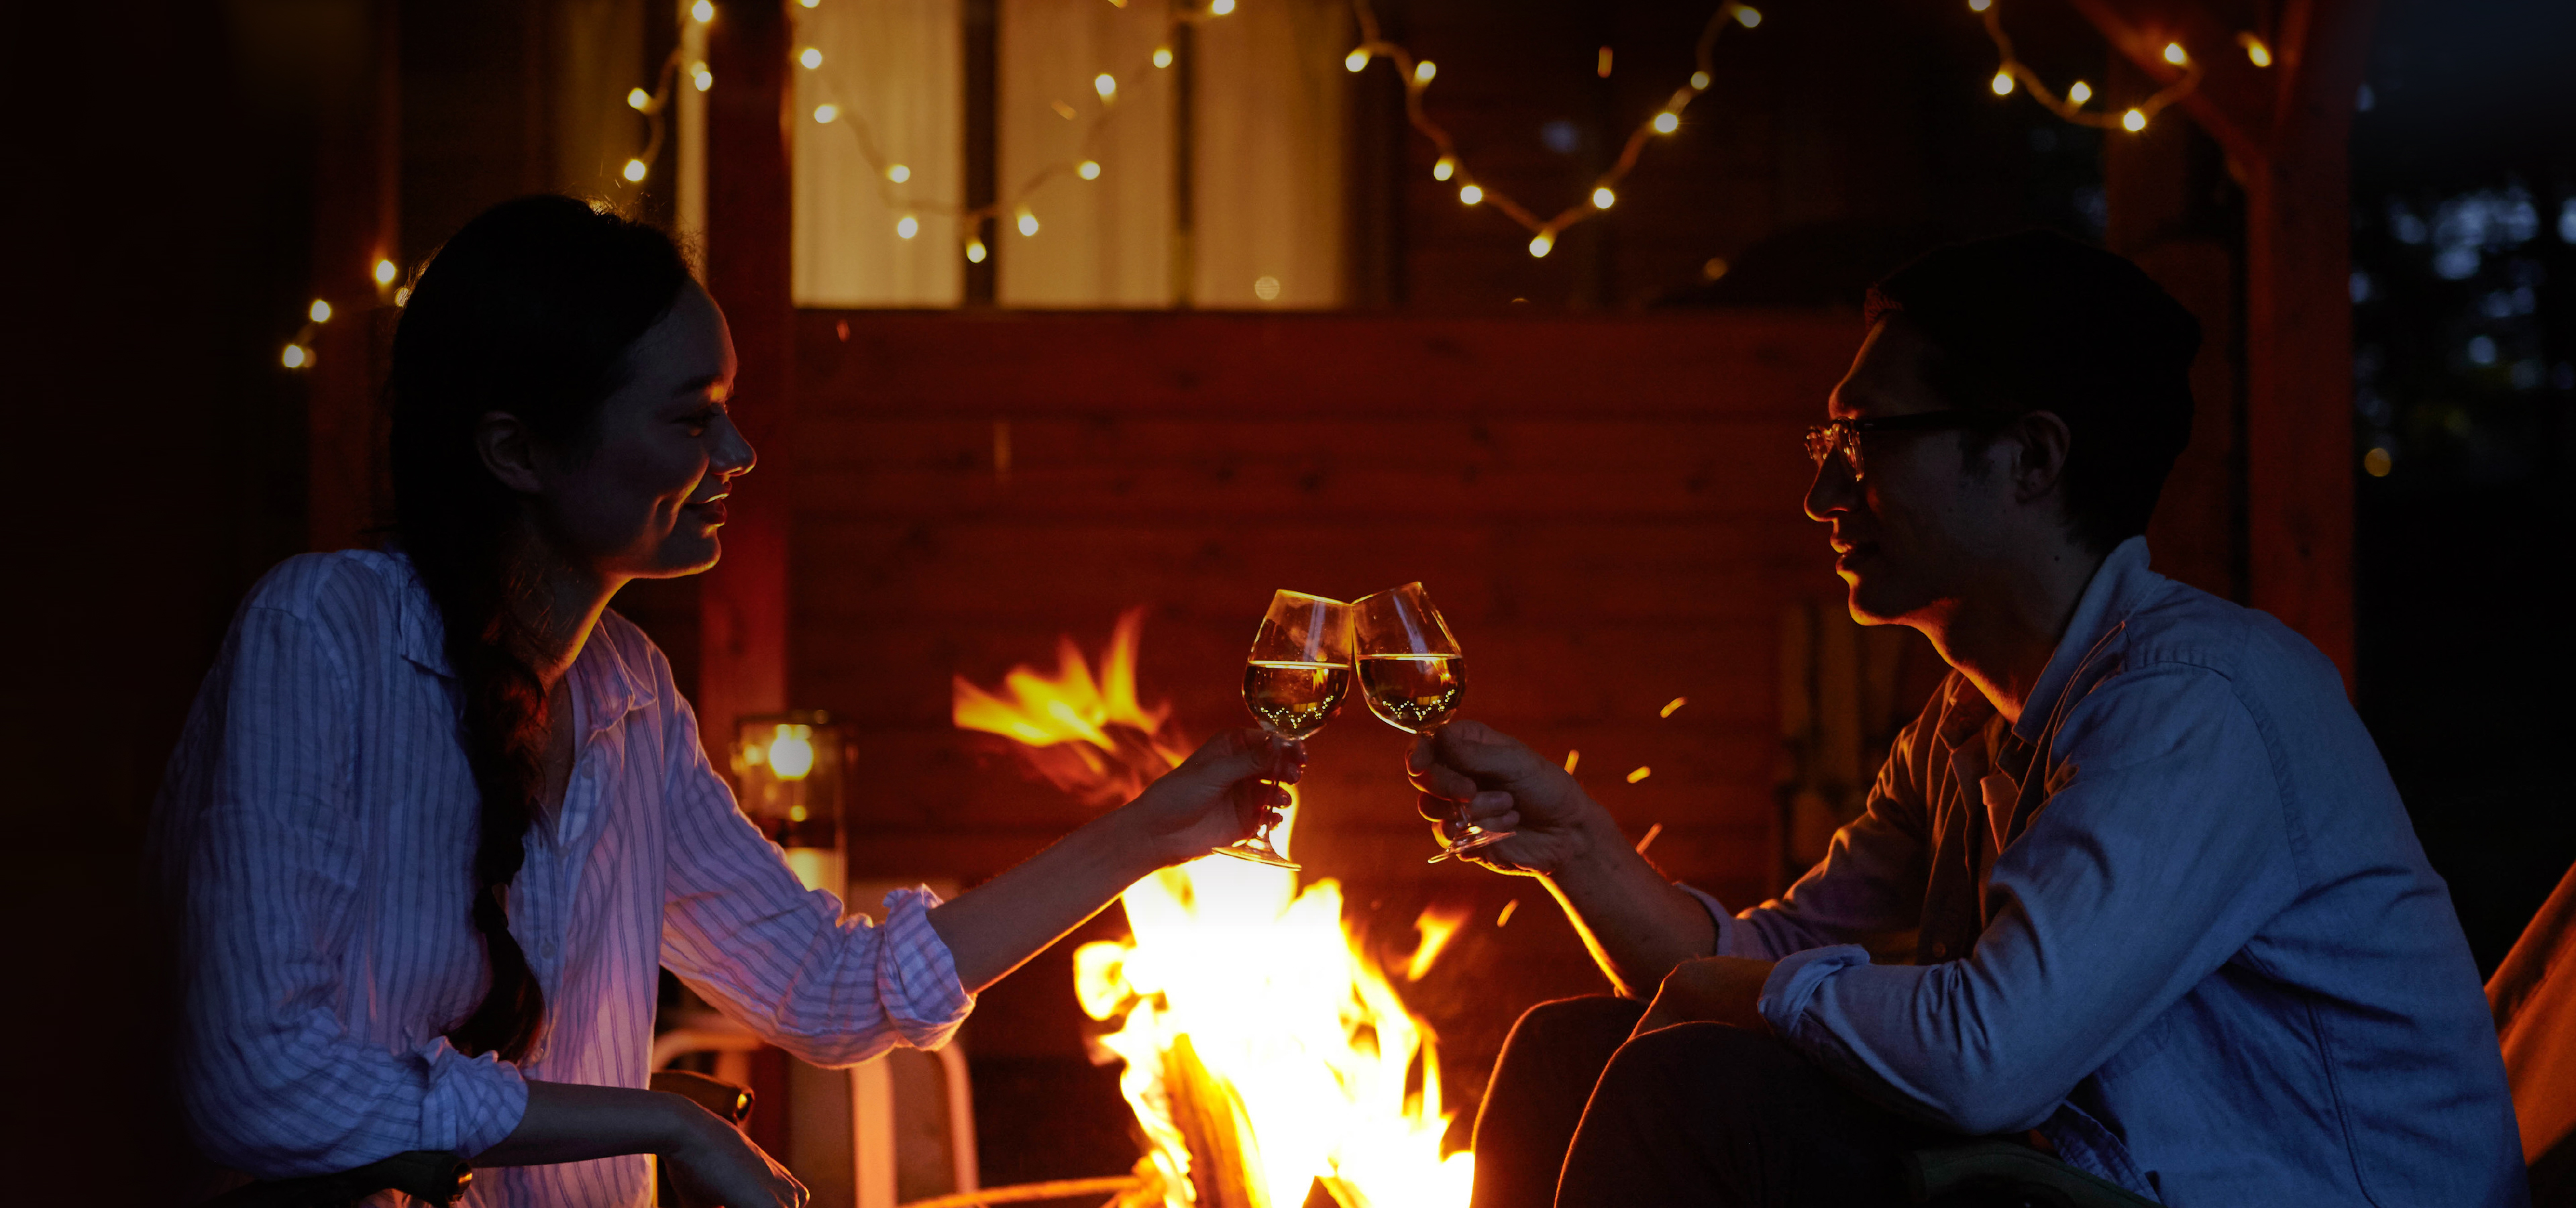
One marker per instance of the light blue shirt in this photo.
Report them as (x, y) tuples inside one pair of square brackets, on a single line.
[(2176, 920), (318, 826)]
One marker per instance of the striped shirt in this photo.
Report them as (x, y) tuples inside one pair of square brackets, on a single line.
[(317, 827)]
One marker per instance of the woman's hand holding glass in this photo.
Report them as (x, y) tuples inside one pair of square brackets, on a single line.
[(1227, 789)]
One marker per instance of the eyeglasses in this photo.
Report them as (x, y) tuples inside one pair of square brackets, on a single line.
[(1843, 435)]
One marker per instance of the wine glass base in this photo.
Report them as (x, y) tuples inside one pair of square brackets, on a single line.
[(1259, 853), (1470, 842)]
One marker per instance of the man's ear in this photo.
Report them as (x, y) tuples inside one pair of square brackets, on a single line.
[(2040, 442), (508, 449)]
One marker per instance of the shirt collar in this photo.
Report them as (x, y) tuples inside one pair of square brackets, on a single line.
[(2119, 586), (609, 684)]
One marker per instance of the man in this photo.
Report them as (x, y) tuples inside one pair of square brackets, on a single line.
[(2135, 887)]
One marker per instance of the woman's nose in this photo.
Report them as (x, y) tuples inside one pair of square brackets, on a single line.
[(734, 456)]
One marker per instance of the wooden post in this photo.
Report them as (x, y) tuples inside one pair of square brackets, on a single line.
[(742, 603), (356, 222), (2285, 129)]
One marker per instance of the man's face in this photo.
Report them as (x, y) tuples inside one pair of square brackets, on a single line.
[(1910, 534)]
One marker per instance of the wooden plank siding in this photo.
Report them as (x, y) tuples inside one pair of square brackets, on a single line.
[(1607, 510)]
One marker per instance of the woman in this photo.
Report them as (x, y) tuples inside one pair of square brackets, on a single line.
[(439, 815)]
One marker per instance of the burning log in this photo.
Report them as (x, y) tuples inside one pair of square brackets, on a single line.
[(1211, 1116)]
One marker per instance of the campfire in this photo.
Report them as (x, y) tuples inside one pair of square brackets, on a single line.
[(1265, 1053)]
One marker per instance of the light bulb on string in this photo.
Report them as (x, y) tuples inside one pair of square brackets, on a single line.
[(974, 251), (1028, 223), (2174, 54), (1603, 198), (811, 57), (2002, 83), (386, 272), (1699, 79), (1357, 60), (1221, 7), (703, 11), (810, 3), (700, 78), (1979, 6), (2080, 93), (898, 173), (826, 112), (1747, 16), (1470, 194), (1106, 85), (1424, 70), (1540, 245), (1444, 169), (296, 356), (320, 311), (639, 100), (1667, 122), (635, 170), (2256, 52), (1162, 56), (1088, 169), (2133, 121), (907, 226)]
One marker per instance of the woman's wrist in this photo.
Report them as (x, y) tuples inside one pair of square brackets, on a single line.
[(1121, 843)]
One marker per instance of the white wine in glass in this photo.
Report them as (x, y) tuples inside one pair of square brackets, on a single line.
[(1294, 681), (1414, 677)]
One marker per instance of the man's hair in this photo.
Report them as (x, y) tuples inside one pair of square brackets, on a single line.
[(2039, 322)]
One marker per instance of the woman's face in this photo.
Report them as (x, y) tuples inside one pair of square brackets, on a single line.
[(646, 500)]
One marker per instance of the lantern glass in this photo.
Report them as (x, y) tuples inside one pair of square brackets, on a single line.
[(788, 772)]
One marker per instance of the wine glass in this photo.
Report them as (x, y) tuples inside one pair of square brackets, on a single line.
[(1414, 677), (1294, 681)]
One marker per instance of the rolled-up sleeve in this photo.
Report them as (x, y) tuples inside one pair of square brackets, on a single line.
[(778, 958), (2156, 861), (274, 1083)]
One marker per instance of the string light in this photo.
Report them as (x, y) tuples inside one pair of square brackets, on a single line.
[(635, 170), (639, 100), (2011, 70), (296, 356), (1162, 56), (810, 3), (703, 11), (2256, 52), (1106, 85), (824, 113), (898, 173), (1028, 222), (1088, 169), (1221, 7), (1418, 74), (974, 251), (320, 311), (386, 272), (812, 58), (701, 78), (907, 227)]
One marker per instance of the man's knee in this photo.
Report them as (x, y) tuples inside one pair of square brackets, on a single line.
[(1589, 1018)]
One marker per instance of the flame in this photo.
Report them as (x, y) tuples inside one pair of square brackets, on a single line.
[(1263, 1052)]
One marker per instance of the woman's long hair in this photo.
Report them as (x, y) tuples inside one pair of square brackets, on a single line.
[(529, 310)]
